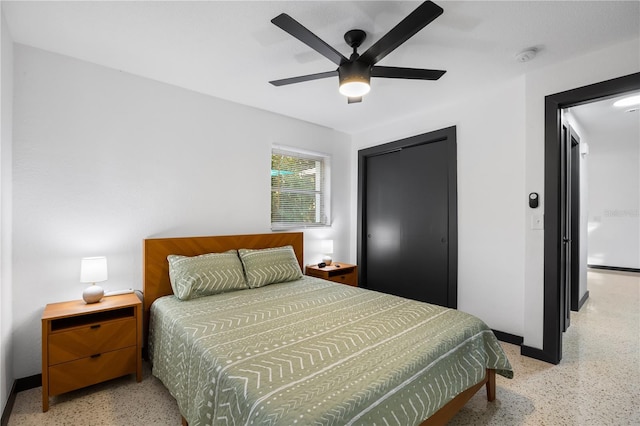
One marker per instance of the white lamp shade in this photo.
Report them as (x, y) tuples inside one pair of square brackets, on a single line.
[(326, 246), (93, 269)]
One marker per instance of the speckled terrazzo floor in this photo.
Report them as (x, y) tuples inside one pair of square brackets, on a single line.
[(598, 380), (597, 383)]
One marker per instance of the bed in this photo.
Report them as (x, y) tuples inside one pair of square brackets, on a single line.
[(308, 351)]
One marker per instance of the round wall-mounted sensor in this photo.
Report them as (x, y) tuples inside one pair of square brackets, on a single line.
[(534, 200)]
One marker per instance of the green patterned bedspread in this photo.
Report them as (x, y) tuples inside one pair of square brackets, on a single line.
[(314, 352)]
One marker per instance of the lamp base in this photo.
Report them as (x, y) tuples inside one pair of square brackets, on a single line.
[(327, 260), (92, 294)]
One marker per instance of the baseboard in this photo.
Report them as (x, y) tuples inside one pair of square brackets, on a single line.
[(614, 268), (536, 353), (528, 351), (583, 299), (508, 338), (19, 385), (30, 382), (6, 413)]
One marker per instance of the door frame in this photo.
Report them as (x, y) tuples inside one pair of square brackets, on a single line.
[(552, 330), (449, 135)]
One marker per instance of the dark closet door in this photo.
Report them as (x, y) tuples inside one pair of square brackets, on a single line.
[(406, 222)]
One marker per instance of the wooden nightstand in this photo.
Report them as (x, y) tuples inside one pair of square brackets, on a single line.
[(343, 274), (84, 344)]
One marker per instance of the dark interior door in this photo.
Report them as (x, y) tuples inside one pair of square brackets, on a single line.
[(406, 223), (565, 227)]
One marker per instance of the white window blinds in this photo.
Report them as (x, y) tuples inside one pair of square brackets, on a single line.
[(299, 188)]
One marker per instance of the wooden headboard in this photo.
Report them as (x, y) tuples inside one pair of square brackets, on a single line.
[(155, 275)]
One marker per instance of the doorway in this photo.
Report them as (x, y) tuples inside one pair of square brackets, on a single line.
[(554, 278), (407, 210)]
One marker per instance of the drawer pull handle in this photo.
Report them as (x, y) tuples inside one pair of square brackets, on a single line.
[(95, 355), (95, 326)]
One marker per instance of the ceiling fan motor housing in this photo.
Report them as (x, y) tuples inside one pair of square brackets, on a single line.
[(355, 71)]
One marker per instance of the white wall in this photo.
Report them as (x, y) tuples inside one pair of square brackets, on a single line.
[(104, 159), (491, 199), (615, 61), (584, 223), (614, 205), (6, 298)]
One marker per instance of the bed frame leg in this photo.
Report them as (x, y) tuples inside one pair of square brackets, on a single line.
[(491, 385), (184, 421)]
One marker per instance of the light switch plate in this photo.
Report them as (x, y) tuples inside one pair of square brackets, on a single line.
[(537, 221)]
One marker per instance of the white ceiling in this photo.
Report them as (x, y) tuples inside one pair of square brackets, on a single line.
[(231, 49), (621, 125)]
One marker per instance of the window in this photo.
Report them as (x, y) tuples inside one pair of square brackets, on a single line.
[(299, 188)]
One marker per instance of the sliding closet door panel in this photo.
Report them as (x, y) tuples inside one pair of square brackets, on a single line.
[(406, 222), (425, 248), (384, 206)]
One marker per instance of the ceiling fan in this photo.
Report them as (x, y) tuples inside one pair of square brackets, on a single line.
[(355, 72)]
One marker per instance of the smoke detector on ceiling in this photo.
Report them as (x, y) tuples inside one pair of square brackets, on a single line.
[(526, 55)]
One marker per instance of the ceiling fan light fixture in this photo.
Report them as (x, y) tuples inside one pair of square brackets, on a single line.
[(354, 89), (354, 79)]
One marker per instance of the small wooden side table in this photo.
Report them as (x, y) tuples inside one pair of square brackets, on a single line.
[(84, 344), (338, 272)]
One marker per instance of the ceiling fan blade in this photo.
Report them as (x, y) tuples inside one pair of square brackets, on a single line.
[(408, 73), (407, 28), (354, 100), (293, 27), (302, 78)]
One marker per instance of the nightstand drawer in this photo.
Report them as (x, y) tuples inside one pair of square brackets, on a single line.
[(349, 279), (90, 340), (89, 371)]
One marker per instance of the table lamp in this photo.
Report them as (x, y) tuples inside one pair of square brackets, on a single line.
[(326, 246), (93, 270)]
